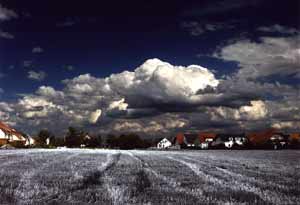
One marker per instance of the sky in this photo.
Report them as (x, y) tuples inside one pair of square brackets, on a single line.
[(150, 67)]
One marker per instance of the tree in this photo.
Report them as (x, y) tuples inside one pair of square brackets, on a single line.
[(111, 141), (131, 141), (94, 141), (42, 137), (74, 137), (58, 142)]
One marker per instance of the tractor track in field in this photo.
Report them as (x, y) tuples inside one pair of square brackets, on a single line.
[(230, 180), (250, 183), (171, 182)]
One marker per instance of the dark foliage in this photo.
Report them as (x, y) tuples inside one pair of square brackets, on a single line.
[(127, 141), (74, 137), (42, 137), (93, 142)]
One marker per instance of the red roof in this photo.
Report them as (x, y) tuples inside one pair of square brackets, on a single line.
[(205, 135), (10, 131), (179, 138), (5, 128), (294, 136), (260, 138)]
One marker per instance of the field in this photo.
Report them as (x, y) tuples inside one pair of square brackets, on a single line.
[(149, 177)]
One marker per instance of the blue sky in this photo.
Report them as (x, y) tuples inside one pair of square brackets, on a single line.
[(45, 43)]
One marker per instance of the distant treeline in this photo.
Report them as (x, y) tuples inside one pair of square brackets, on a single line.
[(76, 138)]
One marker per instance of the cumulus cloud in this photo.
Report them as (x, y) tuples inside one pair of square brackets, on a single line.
[(7, 14), (156, 97), (287, 125), (162, 124), (6, 35), (256, 111), (270, 56), (27, 63), (160, 84), (37, 50), (278, 29), (197, 28), (95, 116), (37, 75)]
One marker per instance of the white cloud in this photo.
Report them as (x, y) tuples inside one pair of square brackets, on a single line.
[(27, 63), (7, 14), (196, 28), (146, 100), (278, 29), (39, 75), (6, 35), (37, 50), (287, 125), (118, 105), (257, 110), (95, 116), (158, 82), (270, 56)]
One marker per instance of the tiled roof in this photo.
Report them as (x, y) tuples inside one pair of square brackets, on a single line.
[(205, 135), (191, 137), (10, 131), (261, 137)]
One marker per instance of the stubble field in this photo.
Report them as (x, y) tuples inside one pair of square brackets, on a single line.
[(75, 176)]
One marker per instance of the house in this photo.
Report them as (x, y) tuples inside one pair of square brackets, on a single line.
[(278, 140), (164, 144), (11, 136), (259, 139), (188, 140), (206, 139), (179, 139), (30, 141), (191, 140), (294, 136), (294, 140), (270, 138), (230, 141)]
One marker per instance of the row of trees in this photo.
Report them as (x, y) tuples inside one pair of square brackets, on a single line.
[(76, 138)]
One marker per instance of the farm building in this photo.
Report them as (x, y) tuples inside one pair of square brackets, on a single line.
[(294, 140), (206, 139), (270, 138), (30, 141), (164, 143), (187, 140), (11, 136), (194, 139), (230, 140), (294, 136)]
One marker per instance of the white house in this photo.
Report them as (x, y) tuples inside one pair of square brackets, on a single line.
[(9, 135), (30, 141), (164, 143)]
